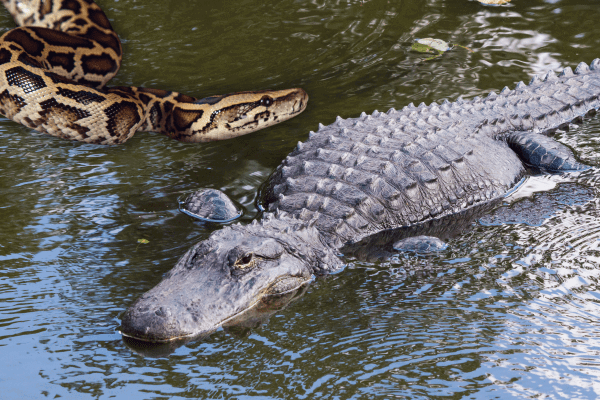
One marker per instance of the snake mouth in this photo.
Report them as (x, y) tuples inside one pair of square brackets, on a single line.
[(300, 103)]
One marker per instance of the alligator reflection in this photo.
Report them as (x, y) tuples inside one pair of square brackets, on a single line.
[(239, 326)]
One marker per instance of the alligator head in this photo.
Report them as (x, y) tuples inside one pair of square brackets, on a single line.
[(225, 276)]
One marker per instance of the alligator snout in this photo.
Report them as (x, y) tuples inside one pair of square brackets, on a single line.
[(151, 325), (162, 316), (150, 321)]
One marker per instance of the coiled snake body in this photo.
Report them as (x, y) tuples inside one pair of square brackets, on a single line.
[(53, 72)]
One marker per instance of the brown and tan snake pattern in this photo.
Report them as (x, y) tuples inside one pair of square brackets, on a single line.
[(53, 72)]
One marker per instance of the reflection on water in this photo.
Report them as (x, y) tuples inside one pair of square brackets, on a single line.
[(509, 310)]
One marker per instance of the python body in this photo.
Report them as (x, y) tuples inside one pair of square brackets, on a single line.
[(53, 72)]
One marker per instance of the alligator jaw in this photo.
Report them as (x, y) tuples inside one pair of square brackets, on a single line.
[(151, 319)]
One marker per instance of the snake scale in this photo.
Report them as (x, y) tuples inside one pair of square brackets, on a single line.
[(55, 65)]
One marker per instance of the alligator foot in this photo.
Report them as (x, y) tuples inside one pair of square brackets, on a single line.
[(543, 152), (420, 244)]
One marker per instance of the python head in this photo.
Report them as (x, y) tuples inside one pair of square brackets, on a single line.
[(223, 277), (236, 114)]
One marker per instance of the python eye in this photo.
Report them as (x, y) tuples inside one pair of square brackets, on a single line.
[(266, 101)]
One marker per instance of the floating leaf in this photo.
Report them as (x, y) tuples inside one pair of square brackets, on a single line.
[(498, 2), (143, 241), (430, 45), (436, 46)]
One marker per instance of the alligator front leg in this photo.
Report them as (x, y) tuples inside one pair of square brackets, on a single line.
[(543, 152)]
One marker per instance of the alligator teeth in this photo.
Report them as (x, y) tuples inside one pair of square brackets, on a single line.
[(321, 126), (363, 115), (300, 146), (505, 91), (595, 65), (550, 77), (492, 95), (311, 134), (582, 68), (566, 72), (376, 113), (520, 86), (391, 111), (459, 100), (339, 120), (422, 105)]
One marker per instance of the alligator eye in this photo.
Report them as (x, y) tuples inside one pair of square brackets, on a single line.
[(266, 101), (247, 261)]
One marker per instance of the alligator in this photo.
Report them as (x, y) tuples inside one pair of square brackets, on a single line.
[(361, 176)]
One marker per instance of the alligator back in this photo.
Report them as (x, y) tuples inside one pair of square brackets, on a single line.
[(386, 170)]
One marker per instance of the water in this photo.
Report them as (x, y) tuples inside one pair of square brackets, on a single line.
[(510, 310)]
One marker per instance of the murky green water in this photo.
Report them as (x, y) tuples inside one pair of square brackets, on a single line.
[(509, 311)]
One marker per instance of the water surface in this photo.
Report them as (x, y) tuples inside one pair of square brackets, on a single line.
[(510, 310)]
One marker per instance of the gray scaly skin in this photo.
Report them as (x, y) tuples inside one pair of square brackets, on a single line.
[(358, 177)]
